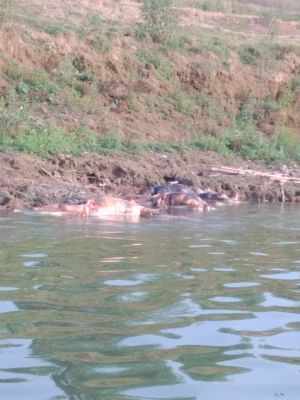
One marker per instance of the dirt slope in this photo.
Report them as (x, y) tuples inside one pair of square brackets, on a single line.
[(79, 66)]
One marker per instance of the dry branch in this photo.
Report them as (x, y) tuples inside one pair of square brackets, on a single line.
[(276, 177)]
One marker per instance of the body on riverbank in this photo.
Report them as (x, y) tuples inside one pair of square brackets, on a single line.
[(28, 181)]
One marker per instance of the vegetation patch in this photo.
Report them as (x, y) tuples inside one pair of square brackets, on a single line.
[(159, 21), (158, 60)]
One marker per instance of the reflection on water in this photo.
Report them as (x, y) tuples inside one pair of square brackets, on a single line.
[(198, 307)]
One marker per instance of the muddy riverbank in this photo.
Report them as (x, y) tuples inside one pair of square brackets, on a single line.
[(28, 181)]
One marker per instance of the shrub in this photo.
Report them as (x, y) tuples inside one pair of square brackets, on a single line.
[(249, 55)]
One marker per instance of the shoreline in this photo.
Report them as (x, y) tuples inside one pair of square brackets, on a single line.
[(27, 181)]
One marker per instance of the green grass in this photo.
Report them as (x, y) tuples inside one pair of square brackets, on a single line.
[(160, 21), (207, 43), (160, 62), (246, 143), (45, 141)]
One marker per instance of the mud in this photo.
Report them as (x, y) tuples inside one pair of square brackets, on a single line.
[(27, 181)]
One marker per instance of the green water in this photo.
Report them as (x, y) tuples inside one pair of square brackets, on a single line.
[(194, 307)]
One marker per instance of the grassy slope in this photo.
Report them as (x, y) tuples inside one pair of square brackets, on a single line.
[(90, 78)]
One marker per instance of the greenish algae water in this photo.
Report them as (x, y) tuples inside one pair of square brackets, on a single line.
[(186, 307)]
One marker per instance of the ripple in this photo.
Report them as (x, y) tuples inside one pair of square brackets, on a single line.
[(274, 301), (224, 269), (110, 370), (238, 285), (229, 242), (196, 246), (106, 310), (286, 340), (32, 374), (284, 243), (34, 255), (8, 289), (198, 269), (223, 299), (203, 390), (31, 264), (122, 282), (287, 276), (7, 307), (206, 333), (138, 279), (133, 297), (112, 260)]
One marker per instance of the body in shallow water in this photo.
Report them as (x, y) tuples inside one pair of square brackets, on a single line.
[(82, 210), (167, 200), (114, 206), (108, 206), (174, 194)]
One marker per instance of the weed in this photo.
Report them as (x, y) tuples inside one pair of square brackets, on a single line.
[(210, 5), (249, 55), (13, 71), (160, 21), (183, 102), (38, 85), (13, 115), (210, 143), (6, 10), (98, 33), (247, 143), (161, 64), (295, 84), (55, 29)]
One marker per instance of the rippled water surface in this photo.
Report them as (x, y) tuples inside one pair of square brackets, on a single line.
[(195, 307)]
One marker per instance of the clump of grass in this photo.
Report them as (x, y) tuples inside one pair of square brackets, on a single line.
[(249, 55), (210, 5), (98, 33), (161, 64), (31, 84), (295, 84), (211, 107), (211, 44), (267, 52), (159, 21), (13, 71), (54, 29), (37, 85), (13, 115), (183, 102), (6, 10), (210, 143)]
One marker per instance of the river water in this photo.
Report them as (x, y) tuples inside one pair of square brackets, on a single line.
[(187, 307)]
